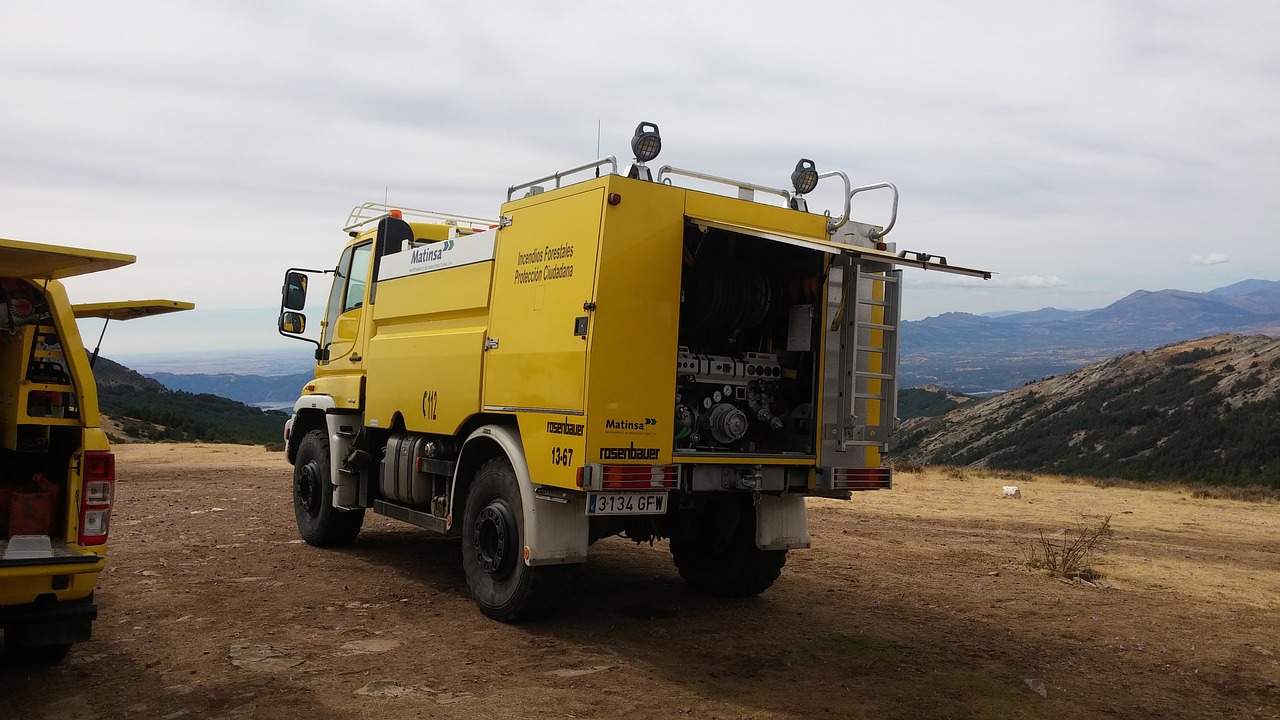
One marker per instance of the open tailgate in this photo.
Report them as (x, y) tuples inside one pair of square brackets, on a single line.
[(129, 309), (37, 261)]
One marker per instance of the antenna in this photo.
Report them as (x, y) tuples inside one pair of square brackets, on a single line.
[(386, 194), (597, 145)]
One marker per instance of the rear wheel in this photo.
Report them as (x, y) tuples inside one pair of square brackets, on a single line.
[(502, 584), (319, 522), (24, 653), (716, 551)]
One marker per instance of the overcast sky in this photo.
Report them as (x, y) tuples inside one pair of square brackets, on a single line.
[(1080, 150)]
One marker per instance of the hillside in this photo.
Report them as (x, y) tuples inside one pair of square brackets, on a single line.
[(1203, 411), (981, 355), (144, 409), (248, 389), (927, 401)]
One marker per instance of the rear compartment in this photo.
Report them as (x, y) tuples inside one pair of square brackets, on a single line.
[(747, 367), (47, 572)]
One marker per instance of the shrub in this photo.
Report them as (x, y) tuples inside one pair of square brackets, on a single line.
[(1068, 554)]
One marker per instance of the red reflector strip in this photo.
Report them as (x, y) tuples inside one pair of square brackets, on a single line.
[(640, 477), (861, 479)]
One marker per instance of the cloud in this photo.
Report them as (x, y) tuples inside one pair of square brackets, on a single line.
[(222, 144), (1030, 281), (1210, 259), (1021, 282)]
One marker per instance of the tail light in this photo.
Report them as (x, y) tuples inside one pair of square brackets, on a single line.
[(629, 477), (99, 479), (861, 478)]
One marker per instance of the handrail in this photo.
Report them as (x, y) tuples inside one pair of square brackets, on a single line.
[(610, 160), (837, 223), (740, 184), (371, 211)]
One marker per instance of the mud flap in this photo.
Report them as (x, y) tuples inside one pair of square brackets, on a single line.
[(781, 522)]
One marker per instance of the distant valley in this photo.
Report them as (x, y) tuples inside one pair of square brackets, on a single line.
[(985, 355)]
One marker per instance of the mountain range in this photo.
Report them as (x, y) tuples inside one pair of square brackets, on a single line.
[(979, 354), (1205, 411)]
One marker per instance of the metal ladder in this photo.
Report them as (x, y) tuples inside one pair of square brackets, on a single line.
[(869, 380)]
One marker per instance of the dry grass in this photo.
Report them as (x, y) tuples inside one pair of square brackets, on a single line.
[(1244, 493)]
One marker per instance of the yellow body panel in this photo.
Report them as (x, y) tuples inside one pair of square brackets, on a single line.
[(346, 389), (631, 369), (554, 446), (544, 274), (424, 358)]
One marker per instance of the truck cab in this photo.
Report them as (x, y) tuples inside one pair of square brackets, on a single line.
[(57, 471)]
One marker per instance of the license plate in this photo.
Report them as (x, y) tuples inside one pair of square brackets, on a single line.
[(626, 503)]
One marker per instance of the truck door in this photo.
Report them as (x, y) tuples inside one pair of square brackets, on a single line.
[(543, 285), (344, 314)]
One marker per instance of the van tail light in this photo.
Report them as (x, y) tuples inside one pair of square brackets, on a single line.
[(99, 479)]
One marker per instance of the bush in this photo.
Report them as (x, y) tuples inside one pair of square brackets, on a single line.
[(1069, 554)]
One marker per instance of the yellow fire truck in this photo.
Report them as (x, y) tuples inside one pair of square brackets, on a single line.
[(57, 472), (617, 355)]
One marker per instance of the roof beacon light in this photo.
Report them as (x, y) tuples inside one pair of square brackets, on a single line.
[(805, 177), (646, 144)]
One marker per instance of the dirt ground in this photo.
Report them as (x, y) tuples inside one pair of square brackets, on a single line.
[(912, 603)]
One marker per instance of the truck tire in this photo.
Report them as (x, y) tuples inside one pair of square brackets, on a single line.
[(716, 551), (502, 584), (319, 522), (35, 655)]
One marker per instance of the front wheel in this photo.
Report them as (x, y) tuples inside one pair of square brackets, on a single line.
[(319, 522), (715, 550), (502, 584)]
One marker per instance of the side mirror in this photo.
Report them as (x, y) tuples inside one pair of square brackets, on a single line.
[(295, 292), (293, 323)]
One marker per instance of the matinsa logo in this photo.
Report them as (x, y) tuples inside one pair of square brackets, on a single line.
[(430, 253), (613, 424), (630, 452)]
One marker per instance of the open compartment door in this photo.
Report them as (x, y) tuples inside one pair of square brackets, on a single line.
[(37, 261), (129, 309)]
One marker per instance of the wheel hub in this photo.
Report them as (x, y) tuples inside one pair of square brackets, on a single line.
[(308, 488), (494, 539)]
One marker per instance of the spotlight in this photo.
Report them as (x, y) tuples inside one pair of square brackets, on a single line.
[(805, 177), (645, 143)]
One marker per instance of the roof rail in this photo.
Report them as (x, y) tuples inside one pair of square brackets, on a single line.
[(746, 190), (371, 211), (610, 160)]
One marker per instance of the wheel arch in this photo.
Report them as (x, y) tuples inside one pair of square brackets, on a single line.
[(553, 532), (304, 420)]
